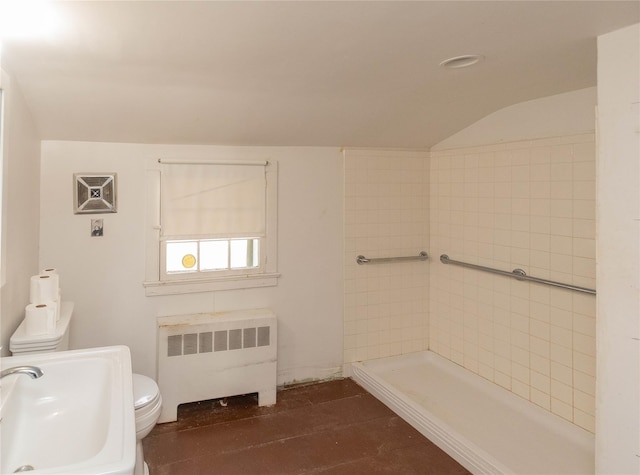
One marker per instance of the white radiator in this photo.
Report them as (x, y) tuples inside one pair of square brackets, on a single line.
[(215, 355)]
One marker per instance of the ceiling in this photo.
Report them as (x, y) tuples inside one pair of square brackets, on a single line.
[(301, 73)]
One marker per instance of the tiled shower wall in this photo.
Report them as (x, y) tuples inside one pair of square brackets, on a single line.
[(528, 205), (386, 215)]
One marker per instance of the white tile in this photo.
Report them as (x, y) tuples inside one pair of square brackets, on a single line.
[(584, 190), (541, 155), (540, 398), (584, 325), (540, 172), (540, 190), (561, 336), (539, 312), (584, 228), (584, 267), (584, 382), (541, 382), (561, 208), (584, 304), (584, 363), (584, 402), (519, 357), (539, 347), (584, 209), (561, 172), (562, 409), (540, 207), (561, 226), (584, 247), (561, 299), (584, 171), (561, 245), (521, 206), (520, 173), (560, 263), (584, 344), (540, 364), (561, 354), (502, 380), (520, 239), (540, 242), (561, 391), (561, 154), (520, 189), (562, 373), (520, 389), (584, 420)]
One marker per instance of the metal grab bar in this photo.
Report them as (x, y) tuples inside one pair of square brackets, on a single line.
[(423, 256), (517, 274)]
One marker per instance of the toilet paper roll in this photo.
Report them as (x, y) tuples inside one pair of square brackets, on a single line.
[(40, 319), (58, 306), (44, 288), (53, 271)]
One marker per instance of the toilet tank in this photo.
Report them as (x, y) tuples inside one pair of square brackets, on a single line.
[(23, 344)]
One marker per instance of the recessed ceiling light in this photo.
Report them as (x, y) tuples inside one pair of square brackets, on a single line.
[(463, 61)]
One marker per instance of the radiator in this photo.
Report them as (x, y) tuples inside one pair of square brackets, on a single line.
[(215, 355)]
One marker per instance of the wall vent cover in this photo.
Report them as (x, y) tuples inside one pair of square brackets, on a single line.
[(94, 193)]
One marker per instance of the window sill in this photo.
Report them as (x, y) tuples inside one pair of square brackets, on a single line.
[(174, 287)]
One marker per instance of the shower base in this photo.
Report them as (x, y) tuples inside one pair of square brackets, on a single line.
[(486, 428)]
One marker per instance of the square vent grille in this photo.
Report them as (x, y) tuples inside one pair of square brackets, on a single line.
[(220, 340), (94, 193)]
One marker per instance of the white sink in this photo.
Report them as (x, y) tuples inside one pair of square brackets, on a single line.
[(77, 418)]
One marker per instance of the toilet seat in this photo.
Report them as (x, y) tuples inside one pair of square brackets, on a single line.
[(147, 403), (145, 390)]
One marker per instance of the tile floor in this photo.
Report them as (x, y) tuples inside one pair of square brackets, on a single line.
[(333, 427)]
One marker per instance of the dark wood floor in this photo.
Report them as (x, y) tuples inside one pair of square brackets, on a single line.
[(333, 427)]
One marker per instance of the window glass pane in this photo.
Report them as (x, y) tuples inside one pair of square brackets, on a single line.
[(238, 253), (244, 253), (256, 253), (182, 256), (214, 255)]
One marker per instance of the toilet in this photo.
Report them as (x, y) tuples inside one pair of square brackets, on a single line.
[(147, 401)]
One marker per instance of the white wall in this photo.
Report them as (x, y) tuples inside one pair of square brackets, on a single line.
[(560, 115), (618, 249), (104, 275), (20, 208)]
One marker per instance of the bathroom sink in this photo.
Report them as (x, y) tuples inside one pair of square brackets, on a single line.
[(77, 418)]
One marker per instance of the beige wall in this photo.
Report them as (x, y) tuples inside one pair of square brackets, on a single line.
[(386, 215), (104, 276), (618, 396), (569, 113), (528, 205), (20, 208)]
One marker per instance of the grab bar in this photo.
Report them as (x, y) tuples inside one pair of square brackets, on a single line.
[(517, 274), (423, 256)]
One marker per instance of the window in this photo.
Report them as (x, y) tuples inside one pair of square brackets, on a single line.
[(217, 226), (209, 255)]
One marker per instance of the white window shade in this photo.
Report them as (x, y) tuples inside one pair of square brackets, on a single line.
[(214, 200)]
